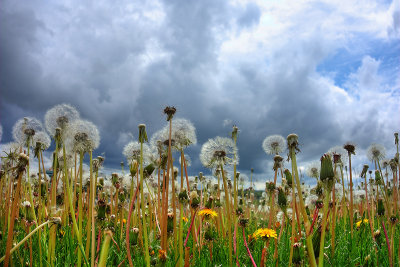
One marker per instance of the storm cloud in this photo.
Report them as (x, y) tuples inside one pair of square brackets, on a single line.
[(324, 70)]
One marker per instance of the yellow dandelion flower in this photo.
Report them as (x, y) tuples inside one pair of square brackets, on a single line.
[(364, 221), (123, 220), (265, 233), (208, 213), (185, 219)]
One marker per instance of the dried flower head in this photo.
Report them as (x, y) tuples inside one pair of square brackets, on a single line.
[(24, 130), (376, 152), (274, 144), (293, 141), (170, 112), (338, 154), (82, 136), (350, 148), (60, 116), (218, 151)]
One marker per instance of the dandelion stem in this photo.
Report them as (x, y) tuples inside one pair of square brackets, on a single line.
[(248, 250)]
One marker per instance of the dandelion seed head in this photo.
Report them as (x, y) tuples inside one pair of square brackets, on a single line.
[(43, 139), (183, 132), (340, 151), (60, 116), (376, 152), (313, 169), (218, 151), (82, 136), (132, 152), (274, 144), (24, 129), (69, 159)]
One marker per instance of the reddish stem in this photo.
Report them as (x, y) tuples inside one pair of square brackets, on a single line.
[(316, 210), (248, 250), (387, 243), (190, 228)]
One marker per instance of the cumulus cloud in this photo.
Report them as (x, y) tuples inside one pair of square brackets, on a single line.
[(326, 70)]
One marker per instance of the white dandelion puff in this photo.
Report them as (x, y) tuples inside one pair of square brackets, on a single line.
[(274, 144), (43, 139), (60, 116), (24, 130), (82, 136), (218, 151), (132, 151), (376, 152), (313, 169)]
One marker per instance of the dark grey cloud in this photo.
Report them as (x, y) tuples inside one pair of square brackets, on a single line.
[(121, 63)]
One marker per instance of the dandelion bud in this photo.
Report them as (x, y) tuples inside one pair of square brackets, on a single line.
[(326, 175), (270, 187), (29, 216), (396, 138), (23, 161), (282, 200), (101, 210), (364, 170), (133, 238), (239, 211), (142, 133), (194, 197), (209, 235), (378, 178), (235, 132), (170, 222), (243, 222), (148, 170), (288, 177), (377, 237), (380, 207), (296, 253), (183, 197)]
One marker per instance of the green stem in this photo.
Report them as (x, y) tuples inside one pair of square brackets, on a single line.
[(26, 238), (228, 214), (146, 244), (321, 244), (93, 193), (81, 154), (307, 225), (105, 248)]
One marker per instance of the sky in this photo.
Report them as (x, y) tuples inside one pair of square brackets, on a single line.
[(325, 70)]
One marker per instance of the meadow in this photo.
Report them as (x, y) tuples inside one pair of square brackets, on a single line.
[(151, 213)]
